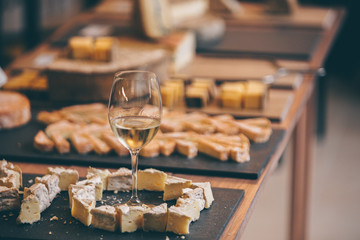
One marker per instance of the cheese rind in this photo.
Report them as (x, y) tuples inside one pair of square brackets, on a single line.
[(190, 207), (208, 195), (178, 222), (9, 199), (120, 180), (151, 179), (105, 217), (155, 218), (96, 181), (81, 191), (173, 187), (40, 191), (30, 210), (10, 174), (81, 209), (104, 174), (52, 184), (130, 217), (196, 193), (66, 176)]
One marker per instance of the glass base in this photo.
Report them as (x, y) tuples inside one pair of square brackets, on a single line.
[(134, 202)]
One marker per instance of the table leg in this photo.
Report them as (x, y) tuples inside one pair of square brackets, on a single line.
[(302, 157)]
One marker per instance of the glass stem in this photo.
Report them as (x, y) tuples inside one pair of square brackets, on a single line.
[(134, 200)]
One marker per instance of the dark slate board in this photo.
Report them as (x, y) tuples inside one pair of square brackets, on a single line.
[(17, 145), (211, 224)]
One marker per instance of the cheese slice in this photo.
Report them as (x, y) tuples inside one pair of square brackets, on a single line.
[(173, 187), (81, 209), (10, 175), (9, 199), (155, 218), (196, 193), (151, 179), (96, 181), (30, 210), (81, 191), (130, 217), (178, 222), (66, 176), (105, 217), (189, 206), (208, 195), (121, 180), (40, 191), (102, 173), (51, 181)]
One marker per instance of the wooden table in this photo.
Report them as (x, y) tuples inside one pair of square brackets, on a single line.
[(299, 124)]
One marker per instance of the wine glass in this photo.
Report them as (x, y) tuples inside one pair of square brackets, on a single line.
[(135, 112)]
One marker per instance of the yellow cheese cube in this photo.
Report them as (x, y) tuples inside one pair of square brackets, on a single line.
[(81, 47)]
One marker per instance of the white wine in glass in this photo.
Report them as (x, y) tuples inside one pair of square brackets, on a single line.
[(135, 112)]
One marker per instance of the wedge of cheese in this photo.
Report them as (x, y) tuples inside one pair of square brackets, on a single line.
[(130, 217), (178, 222), (197, 194), (173, 187), (51, 181), (155, 218), (103, 174), (66, 176), (151, 179), (30, 210), (105, 217), (121, 180), (9, 199), (96, 181), (190, 207), (40, 191), (81, 191), (81, 209), (208, 195)]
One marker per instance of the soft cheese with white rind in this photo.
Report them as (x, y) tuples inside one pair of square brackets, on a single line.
[(9, 199), (81, 191), (173, 187), (52, 184), (103, 174), (155, 218), (151, 179), (30, 210), (208, 195), (66, 176), (121, 180), (96, 181), (81, 209), (178, 222), (105, 217), (42, 194), (130, 217)]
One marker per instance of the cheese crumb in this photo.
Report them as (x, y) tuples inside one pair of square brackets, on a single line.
[(50, 233), (54, 218)]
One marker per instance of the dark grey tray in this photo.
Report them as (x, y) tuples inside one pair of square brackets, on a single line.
[(211, 224), (17, 145)]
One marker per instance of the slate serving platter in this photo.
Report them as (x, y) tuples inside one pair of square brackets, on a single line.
[(211, 224), (17, 145)]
